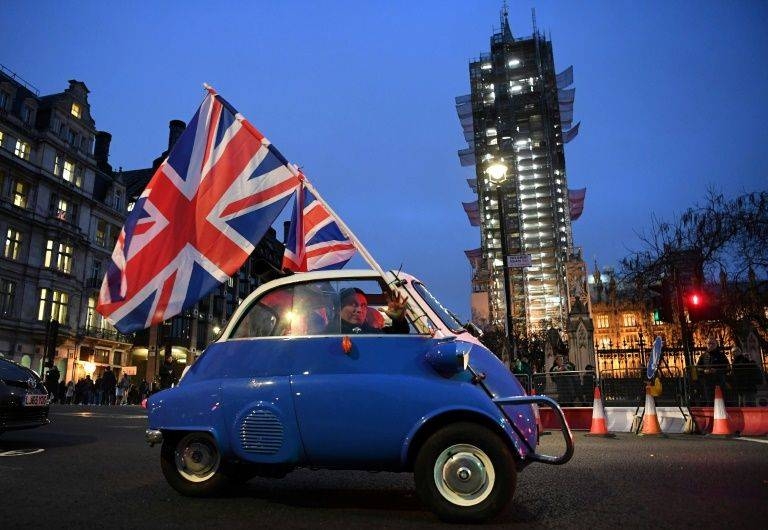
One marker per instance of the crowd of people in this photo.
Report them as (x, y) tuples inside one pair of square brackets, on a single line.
[(106, 389)]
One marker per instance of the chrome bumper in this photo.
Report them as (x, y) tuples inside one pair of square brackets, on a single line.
[(564, 428), (153, 436)]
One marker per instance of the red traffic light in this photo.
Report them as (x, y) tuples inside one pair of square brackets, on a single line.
[(695, 300)]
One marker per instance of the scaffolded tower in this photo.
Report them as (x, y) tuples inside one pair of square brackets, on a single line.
[(519, 114)]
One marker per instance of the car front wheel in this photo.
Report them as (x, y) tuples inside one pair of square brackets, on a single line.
[(192, 464), (465, 473)]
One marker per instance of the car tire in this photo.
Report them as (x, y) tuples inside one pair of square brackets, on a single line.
[(465, 473), (192, 464)]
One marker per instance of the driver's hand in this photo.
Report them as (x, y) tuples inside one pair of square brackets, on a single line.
[(396, 304)]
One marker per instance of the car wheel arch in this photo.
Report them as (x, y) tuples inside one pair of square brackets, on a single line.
[(433, 424)]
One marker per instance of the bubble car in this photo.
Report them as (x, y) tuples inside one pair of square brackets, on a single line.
[(289, 384)]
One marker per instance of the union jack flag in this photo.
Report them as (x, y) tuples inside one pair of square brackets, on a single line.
[(315, 241), (199, 218)]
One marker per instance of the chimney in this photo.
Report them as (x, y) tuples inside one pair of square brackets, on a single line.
[(101, 150), (176, 128)]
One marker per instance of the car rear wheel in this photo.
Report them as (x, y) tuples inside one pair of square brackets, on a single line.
[(192, 464), (465, 473)]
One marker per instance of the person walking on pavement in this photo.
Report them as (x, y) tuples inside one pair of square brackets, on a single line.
[(70, 394), (167, 372), (108, 385), (124, 386), (52, 382)]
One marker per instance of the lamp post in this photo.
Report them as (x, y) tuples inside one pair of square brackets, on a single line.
[(497, 174)]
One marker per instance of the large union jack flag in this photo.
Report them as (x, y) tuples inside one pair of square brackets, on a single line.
[(315, 241), (199, 218)]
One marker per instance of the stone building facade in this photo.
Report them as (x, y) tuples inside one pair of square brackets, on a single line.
[(61, 210)]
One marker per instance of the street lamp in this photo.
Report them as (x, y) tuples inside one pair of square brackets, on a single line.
[(497, 174)]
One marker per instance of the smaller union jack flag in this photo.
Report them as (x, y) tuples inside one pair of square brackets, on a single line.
[(315, 241)]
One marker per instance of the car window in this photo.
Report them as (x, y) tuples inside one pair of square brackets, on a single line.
[(315, 308)]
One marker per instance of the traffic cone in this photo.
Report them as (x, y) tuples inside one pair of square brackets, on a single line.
[(651, 425), (598, 427), (721, 425)]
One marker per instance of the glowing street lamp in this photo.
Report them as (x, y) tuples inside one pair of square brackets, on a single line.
[(497, 174)]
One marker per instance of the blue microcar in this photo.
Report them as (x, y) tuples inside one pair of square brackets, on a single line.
[(317, 370)]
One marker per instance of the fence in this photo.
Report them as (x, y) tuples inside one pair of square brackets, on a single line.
[(625, 386)]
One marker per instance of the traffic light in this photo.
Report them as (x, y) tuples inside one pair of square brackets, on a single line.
[(701, 306), (662, 302)]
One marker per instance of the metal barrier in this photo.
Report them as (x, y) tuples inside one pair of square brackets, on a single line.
[(620, 387), (570, 389), (525, 381), (742, 384)]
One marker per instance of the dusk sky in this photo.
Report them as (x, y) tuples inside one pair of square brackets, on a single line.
[(672, 97)]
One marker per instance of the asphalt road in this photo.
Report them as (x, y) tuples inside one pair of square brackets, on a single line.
[(91, 468)]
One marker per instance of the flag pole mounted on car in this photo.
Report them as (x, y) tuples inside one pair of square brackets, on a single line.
[(343, 226)]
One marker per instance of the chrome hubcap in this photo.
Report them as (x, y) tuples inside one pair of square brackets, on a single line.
[(464, 475), (197, 459)]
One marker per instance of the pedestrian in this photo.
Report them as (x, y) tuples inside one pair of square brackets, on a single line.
[(167, 372), (52, 382), (564, 381), (713, 366), (143, 390), (746, 378), (98, 397), (70, 394), (108, 385), (62, 392), (123, 387), (87, 390)]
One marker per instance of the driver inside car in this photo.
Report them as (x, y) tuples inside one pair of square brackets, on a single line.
[(354, 313)]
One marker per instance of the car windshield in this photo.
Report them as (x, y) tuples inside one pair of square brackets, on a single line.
[(448, 318)]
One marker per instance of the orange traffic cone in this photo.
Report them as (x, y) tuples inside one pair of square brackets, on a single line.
[(598, 427), (721, 425), (651, 425)]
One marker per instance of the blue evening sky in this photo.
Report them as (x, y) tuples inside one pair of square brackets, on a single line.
[(672, 97)]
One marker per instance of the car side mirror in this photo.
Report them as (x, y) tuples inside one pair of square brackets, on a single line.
[(448, 357), (473, 329)]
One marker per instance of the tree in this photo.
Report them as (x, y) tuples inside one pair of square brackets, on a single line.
[(729, 237)]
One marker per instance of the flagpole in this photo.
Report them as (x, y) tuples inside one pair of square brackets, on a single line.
[(344, 228)]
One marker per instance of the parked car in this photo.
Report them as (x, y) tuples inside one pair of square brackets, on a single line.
[(24, 402), (283, 387)]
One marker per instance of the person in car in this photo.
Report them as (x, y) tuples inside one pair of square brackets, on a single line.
[(354, 313)]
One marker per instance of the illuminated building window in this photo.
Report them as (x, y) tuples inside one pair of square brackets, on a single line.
[(12, 244), (7, 293), (59, 256), (20, 194), (22, 149), (53, 305), (603, 322), (629, 320), (76, 111)]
